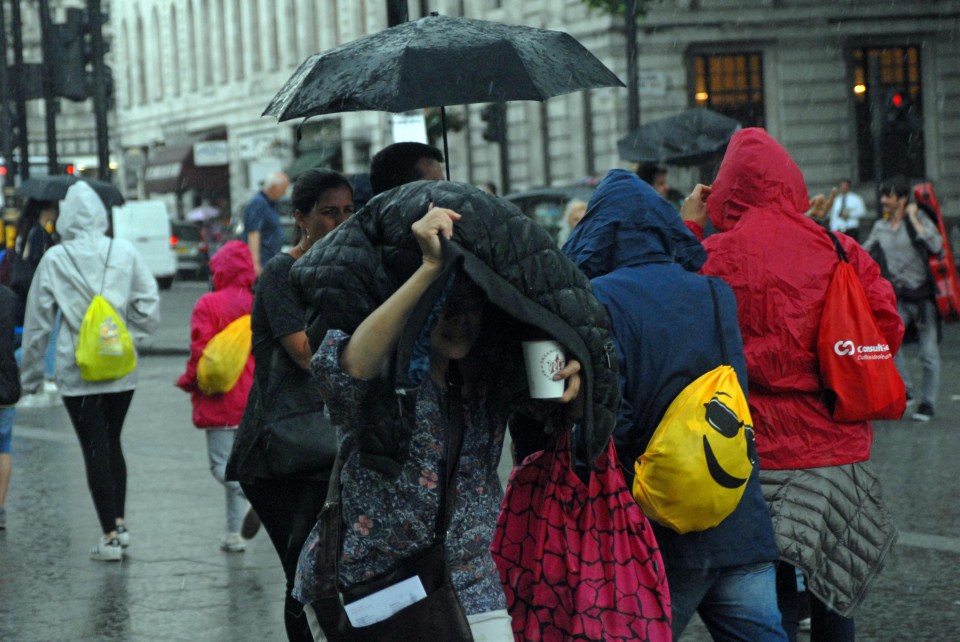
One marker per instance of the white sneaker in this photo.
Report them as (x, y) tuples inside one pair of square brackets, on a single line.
[(107, 550), (123, 535), (233, 543), (50, 387), (36, 400)]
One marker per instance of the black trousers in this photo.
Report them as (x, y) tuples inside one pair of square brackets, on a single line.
[(98, 421), (288, 509)]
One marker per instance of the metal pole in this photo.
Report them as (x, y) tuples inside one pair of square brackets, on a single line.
[(505, 154), (876, 124), (16, 33), (99, 89), (6, 140), (49, 100), (633, 87)]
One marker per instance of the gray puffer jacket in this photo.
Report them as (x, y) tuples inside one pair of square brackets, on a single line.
[(348, 274), (832, 524)]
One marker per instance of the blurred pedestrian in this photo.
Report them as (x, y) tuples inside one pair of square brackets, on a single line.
[(823, 494), (261, 220), (572, 215), (846, 211), (231, 270), (63, 282), (287, 503), (905, 235), (402, 163), (9, 392), (655, 176), (635, 249)]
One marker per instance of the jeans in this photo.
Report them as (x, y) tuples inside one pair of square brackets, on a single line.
[(219, 445), (735, 602), (825, 625), (924, 315)]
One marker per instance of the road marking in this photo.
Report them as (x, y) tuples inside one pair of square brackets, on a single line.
[(930, 542)]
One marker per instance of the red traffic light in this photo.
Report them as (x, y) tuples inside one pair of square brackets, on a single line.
[(897, 100)]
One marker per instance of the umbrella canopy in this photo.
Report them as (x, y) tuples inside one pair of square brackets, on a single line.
[(437, 61), (688, 138), (54, 188)]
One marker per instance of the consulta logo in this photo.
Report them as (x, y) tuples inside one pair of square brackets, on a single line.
[(877, 351)]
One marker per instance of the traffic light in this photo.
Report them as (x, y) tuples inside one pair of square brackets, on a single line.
[(495, 115), (899, 110), (71, 55)]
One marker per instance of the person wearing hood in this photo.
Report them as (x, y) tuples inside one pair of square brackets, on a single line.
[(85, 258), (822, 492), (635, 249), (231, 269)]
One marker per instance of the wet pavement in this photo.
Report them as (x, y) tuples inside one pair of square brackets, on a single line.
[(175, 584)]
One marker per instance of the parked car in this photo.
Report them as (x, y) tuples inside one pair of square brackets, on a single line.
[(190, 244), (546, 205), (146, 224), (288, 227)]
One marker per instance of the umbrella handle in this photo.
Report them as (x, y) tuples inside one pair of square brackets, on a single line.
[(443, 126)]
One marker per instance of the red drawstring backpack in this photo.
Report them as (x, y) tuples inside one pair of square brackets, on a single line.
[(578, 562), (856, 362)]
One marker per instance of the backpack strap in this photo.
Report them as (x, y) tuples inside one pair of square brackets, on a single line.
[(105, 264), (76, 267), (836, 244)]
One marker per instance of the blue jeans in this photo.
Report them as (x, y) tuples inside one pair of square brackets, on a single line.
[(735, 603), (924, 315)]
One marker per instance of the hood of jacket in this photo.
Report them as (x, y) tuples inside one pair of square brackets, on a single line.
[(757, 174), (628, 223), (232, 266), (351, 271), (82, 213)]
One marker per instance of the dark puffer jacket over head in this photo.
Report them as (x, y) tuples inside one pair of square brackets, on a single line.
[(348, 274)]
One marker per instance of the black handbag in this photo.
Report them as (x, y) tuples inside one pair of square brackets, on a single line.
[(299, 441), (438, 616)]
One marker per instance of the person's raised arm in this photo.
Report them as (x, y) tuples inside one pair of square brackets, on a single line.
[(368, 351)]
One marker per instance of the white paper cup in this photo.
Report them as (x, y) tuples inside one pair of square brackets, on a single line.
[(544, 359)]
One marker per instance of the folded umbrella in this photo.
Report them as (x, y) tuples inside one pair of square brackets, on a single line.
[(54, 188), (689, 138)]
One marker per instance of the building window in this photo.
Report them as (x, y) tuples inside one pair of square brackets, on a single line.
[(731, 84), (898, 91)]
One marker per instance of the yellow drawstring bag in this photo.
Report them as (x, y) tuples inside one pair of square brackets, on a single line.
[(224, 357), (696, 465), (104, 349)]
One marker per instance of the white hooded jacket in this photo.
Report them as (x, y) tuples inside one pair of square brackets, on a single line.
[(58, 285)]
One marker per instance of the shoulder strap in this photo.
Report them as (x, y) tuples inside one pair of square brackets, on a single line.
[(455, 428), (106, 263), (836, 244)]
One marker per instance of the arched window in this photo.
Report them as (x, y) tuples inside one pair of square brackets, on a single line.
[(127, 56), (174, 51), (221, 29), (273, 37), (158, 57), (206, 54), (141, 65), (191, 46), (238, 37), (256, 54)]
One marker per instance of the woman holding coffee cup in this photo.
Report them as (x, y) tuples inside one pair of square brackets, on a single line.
[(389, 514)]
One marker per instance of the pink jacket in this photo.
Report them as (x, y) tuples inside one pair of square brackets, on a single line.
[(233, 277)]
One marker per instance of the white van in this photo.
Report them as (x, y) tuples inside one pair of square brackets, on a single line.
[(146, 224)]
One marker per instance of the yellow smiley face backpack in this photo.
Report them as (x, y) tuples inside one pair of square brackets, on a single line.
[(104, 349), (697, 463)]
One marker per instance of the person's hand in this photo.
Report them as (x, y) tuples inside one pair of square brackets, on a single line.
[(821, 205), (914, 213), (694, 207), (436, 222), (571, 394)]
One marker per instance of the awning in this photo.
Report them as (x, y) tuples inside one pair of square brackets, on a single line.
[(309, 160), (171, 169)]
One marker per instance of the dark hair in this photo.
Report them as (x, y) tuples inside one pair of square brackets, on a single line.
[(397, 165), (899, 186), (649, 171), (31, 215), (311, 185)]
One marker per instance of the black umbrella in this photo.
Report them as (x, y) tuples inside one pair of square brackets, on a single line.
[(54, 188), (688, 138), (438, 61)]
